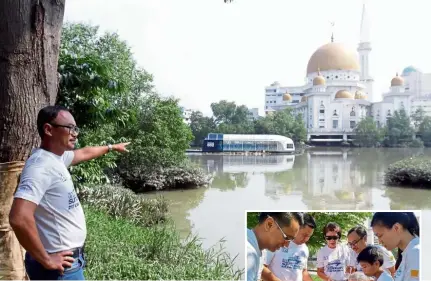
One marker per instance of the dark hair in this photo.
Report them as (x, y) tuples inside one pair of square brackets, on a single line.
[(309, 221), (332, 226), (371, 254), (283, 218), (407, 219), (46, 115), (387, 219), (360, 230)]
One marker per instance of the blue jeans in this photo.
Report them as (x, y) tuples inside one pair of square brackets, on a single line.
[(36, 271)]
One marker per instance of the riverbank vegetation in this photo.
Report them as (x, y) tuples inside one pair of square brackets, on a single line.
[(121, 250), (113, 100), (401, 130), (414, 171)]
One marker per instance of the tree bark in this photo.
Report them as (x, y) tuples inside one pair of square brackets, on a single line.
[(30, 33)]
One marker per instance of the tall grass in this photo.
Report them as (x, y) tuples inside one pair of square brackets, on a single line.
[(119, 249), (121, 202)]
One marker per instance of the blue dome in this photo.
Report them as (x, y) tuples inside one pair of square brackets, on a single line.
[(408, 70)]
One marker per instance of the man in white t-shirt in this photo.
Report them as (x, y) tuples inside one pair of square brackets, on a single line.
[(272, 232), (46, 214), (289, 263), (357, 241)]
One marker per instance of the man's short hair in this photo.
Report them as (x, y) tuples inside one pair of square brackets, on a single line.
[(371, 254), (283, 218), (360, 230), (46, 115), (332, 226), (309, 221)]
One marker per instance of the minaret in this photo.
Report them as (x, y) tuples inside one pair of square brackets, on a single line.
[(364, 49)]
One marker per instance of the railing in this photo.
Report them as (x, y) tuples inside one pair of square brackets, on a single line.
[(326, 130)]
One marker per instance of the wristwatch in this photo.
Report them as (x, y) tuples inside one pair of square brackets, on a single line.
[(109, 147)]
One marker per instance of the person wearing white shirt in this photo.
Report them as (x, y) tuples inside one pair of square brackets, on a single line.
[(357, 241), (332, 260), (400, 230), (371, 261), (289, 263), (272, 232)]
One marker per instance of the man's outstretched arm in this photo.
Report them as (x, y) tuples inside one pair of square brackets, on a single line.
[(92, 152)]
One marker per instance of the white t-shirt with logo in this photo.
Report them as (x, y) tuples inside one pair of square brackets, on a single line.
[(388, 259), (385, 277), (334, 261), (59, 217), (409, 266), (254, 264), (288, 263)]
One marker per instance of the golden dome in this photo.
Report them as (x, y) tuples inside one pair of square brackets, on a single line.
[(333, 56), (319, 79), (304, 99), (343, 94), (287, 97), (359, 95), (397, 81)]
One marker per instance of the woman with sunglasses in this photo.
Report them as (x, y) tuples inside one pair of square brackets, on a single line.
[(332, 260), (400, 230)]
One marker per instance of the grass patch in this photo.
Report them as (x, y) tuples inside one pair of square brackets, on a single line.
[(415, 171), (119, 249)]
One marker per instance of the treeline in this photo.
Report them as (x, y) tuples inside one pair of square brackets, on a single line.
[(114, 100), (400, 131), (230, 118)]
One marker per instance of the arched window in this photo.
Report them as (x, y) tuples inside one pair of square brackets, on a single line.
[(352, 113), (335, 113)]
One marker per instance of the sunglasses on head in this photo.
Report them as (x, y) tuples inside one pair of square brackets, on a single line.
[(331, 237)]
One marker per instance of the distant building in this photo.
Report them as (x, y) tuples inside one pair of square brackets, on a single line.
[(338, 91), (253, 114), (186, 114)]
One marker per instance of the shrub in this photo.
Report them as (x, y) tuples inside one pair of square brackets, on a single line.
[(117, 249), (144, 178), (120, 202), (415, 171)]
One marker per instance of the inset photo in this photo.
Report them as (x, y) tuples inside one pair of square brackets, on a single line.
[(333, 246)]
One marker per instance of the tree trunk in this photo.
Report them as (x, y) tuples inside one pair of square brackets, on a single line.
[(29, 47), (30, 33)]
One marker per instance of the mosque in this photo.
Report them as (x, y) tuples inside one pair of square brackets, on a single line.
[(338, 91)]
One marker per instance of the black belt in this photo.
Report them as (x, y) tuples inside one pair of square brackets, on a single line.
[(77, 252)]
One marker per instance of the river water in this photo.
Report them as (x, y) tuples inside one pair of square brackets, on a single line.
[(318, 179)]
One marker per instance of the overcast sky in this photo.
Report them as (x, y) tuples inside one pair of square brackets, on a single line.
[(202, 51)]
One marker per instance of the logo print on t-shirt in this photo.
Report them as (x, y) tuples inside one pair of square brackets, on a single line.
[(335, 266), (292, 263), (73, 200)]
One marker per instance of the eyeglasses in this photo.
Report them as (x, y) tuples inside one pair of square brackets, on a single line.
[(351, 244), (287, 238), (331, 238), (71, 128)]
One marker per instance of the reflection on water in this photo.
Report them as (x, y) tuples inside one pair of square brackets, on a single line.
[(321, 178)]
